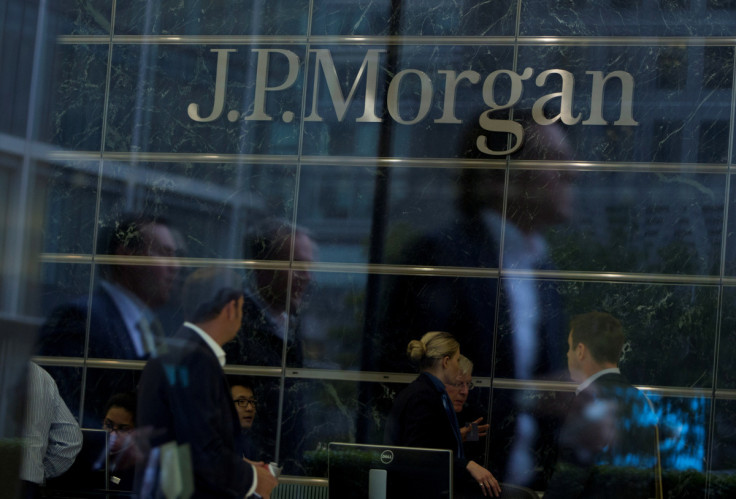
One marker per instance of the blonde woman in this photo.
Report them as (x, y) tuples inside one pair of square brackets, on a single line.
[(423, 414)]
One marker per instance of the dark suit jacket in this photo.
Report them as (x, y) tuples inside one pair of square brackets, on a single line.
[(608, 444), (63, 334), (258, 343), (184, 397), (418, 419)]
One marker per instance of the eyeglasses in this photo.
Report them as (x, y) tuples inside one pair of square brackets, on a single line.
[(244, 402), (110, 426), (461, 384)]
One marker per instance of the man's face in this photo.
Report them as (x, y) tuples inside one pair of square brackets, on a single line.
[(245, 404), (153, 283), (119, 424), (459, 391), (274, 284), (573, 364), (541, 198)]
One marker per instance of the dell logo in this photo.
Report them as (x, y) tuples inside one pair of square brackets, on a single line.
[(387, 456)]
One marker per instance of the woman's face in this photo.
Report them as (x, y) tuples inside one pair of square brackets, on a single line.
[(245, 404)]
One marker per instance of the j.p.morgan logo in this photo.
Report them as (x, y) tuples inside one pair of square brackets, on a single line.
[(387, 456), (560, 101)]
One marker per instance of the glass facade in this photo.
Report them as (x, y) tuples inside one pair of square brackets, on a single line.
[(491, 169)]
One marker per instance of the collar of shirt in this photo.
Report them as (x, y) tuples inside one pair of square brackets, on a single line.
[(439, 385), (216, 349), (585, 384)]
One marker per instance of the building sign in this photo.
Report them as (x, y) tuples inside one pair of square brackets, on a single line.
[(449, 81)]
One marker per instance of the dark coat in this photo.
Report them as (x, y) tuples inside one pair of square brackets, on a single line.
[(258, 343), (418, 419), (184, 397), (63, 334), (607, 445)]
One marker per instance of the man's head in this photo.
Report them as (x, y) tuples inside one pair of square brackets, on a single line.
[(213, 296), (273, 240), (119, 421), (594, 343), (151, 238), (245, 403), (460, 390), (536, 198)]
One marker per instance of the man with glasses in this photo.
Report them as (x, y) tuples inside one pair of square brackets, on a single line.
[(468, 418), (246, 407)]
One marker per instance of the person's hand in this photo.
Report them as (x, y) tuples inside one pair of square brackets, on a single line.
[(266, 481), (488, 484), (482, 429)]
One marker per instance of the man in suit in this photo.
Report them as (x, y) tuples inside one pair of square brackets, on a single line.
[(271, 307), (122, 321), (184, 400), (608, 443), (515, 323)]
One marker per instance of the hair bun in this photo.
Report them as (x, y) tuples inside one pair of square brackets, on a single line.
[(416, 350)]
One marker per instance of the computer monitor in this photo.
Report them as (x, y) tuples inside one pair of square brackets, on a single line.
[(362, 471)]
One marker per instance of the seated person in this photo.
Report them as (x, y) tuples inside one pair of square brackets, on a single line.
[(88, 472), (119, 422), (468, 418), (246, 406)]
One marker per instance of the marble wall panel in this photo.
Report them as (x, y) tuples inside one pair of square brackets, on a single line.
[(203, 18), (590, 220), (664, 223), (626, 18), (154, 86), (338, 203), (682, 115), (415, 18), (71, 102), (67, 193), (88, 17), (210, 206), (332, 321), (724, 445), (62, 283), (727, 348), (317, 412), (730, 254), (16, 49)]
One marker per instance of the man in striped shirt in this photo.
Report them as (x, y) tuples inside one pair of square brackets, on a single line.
[(51, 436)]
